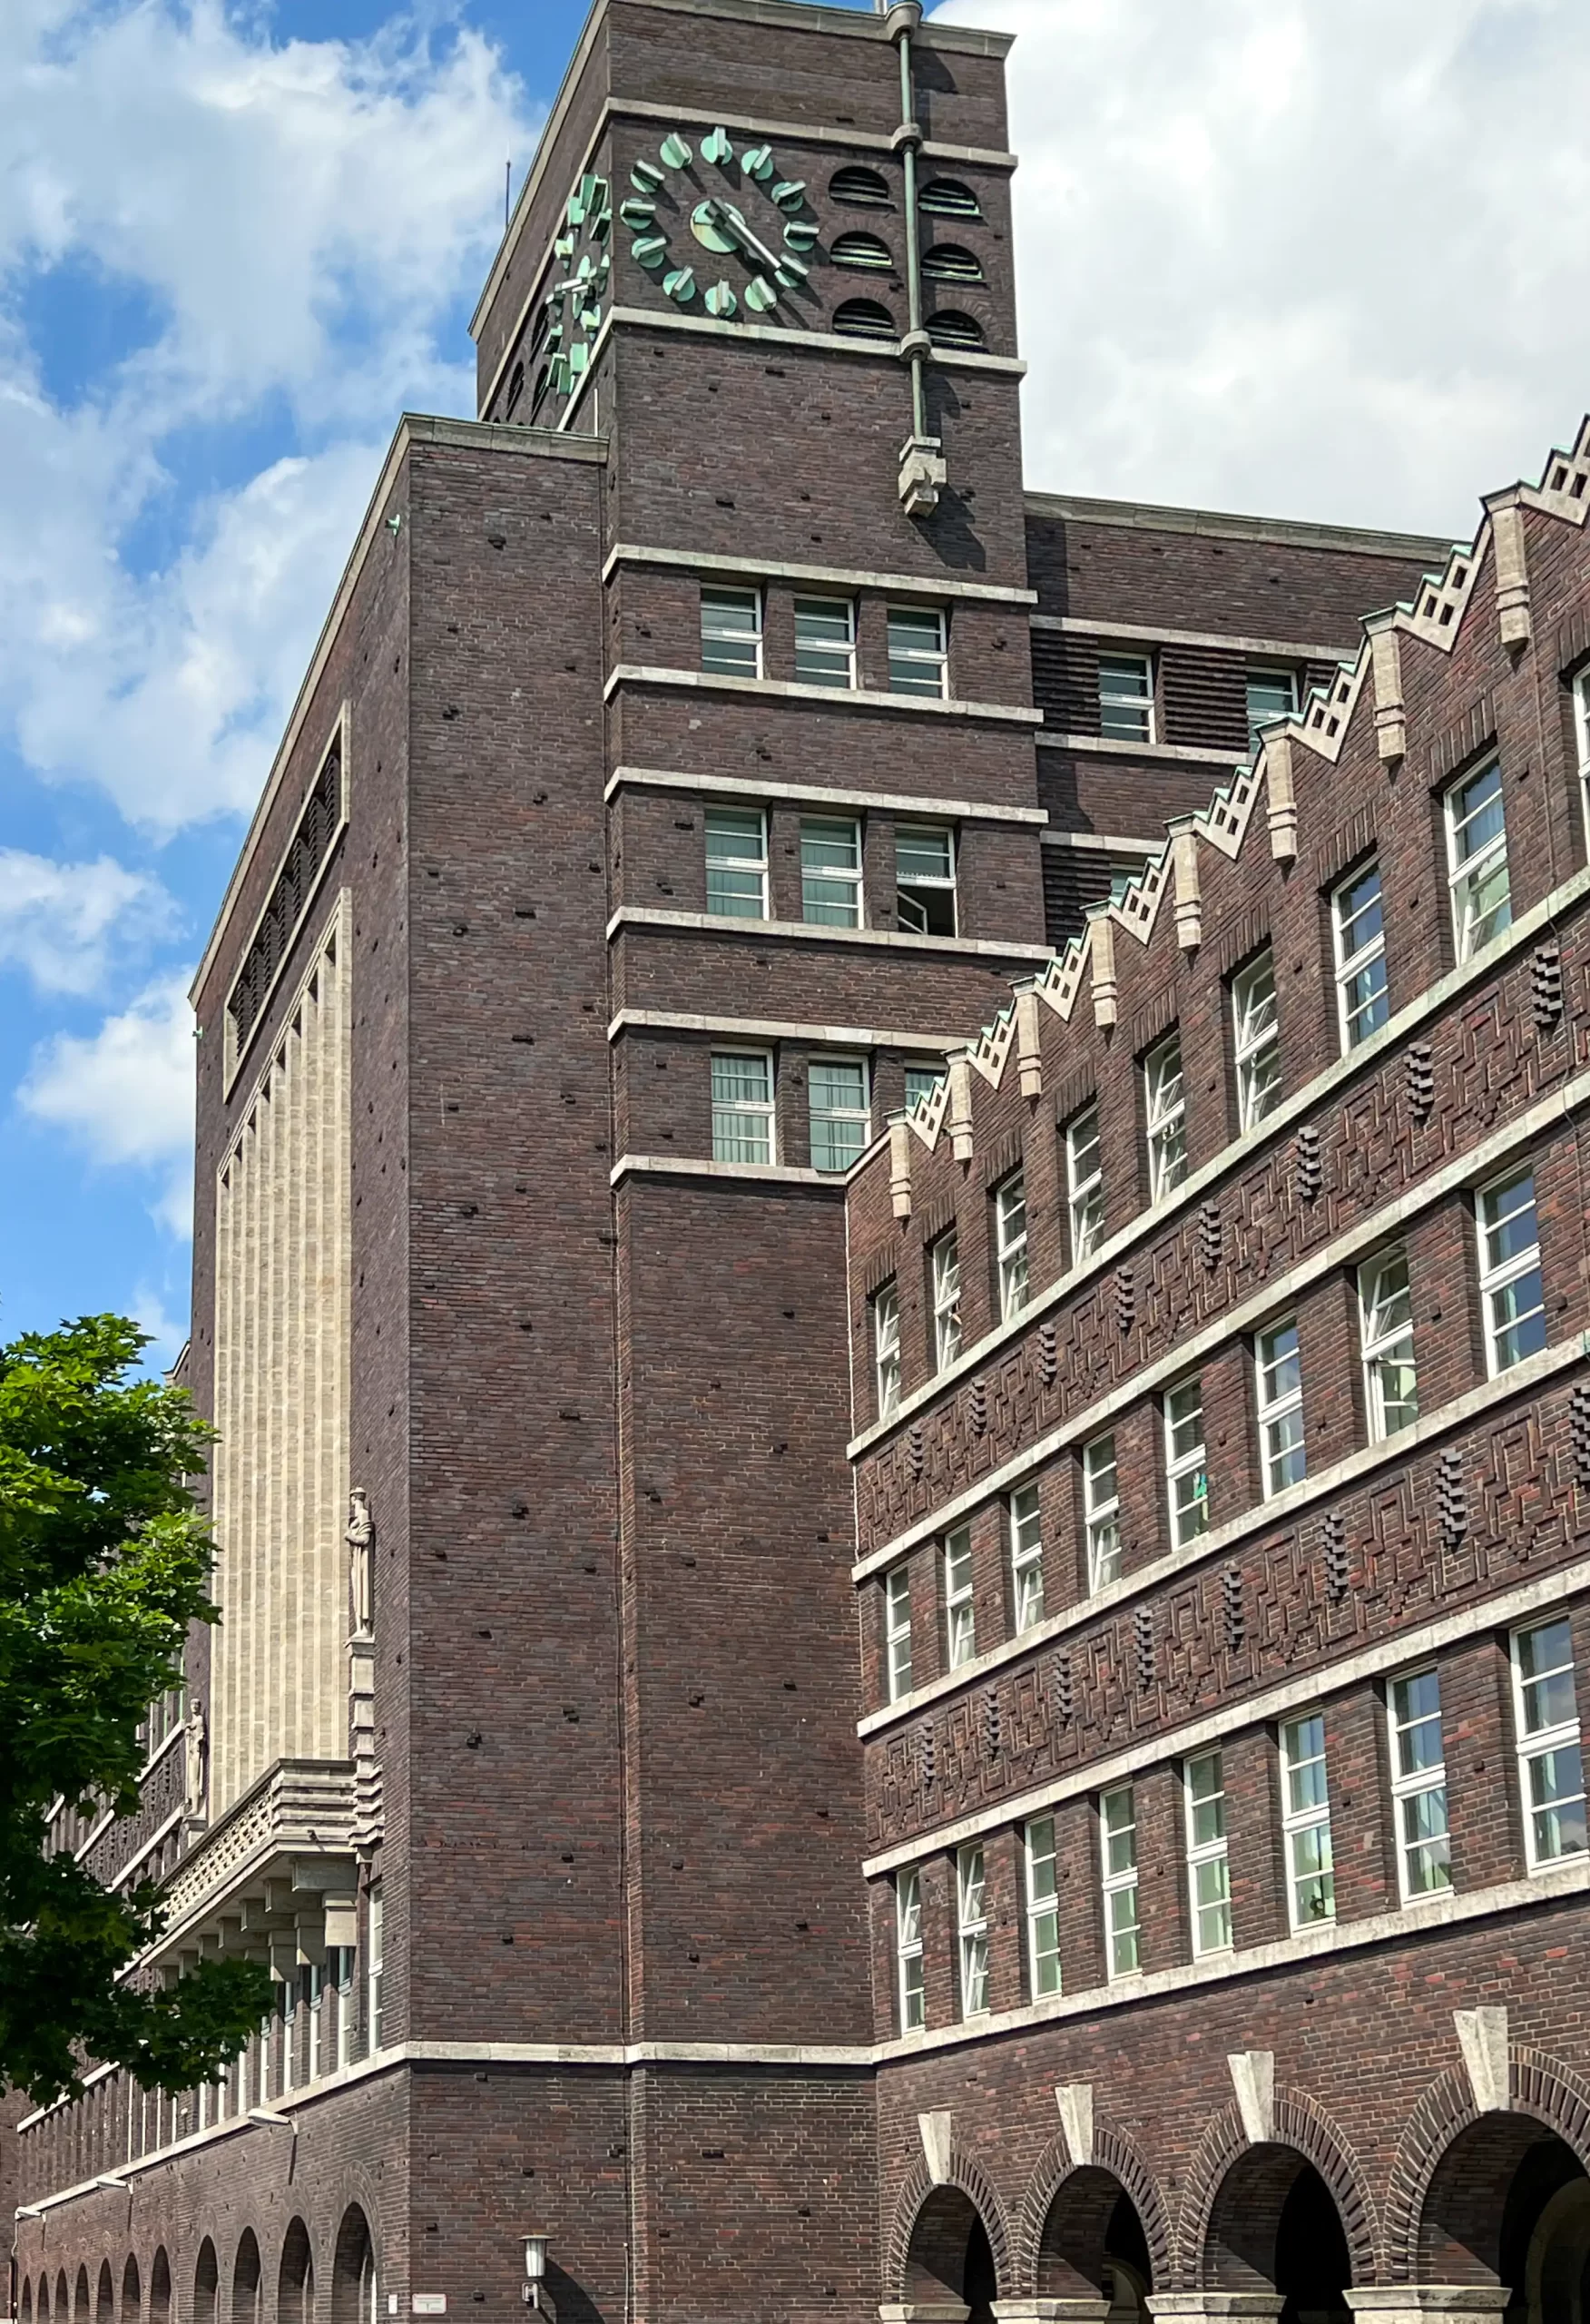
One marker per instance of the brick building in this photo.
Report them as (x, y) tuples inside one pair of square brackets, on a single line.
[(792, 1588)]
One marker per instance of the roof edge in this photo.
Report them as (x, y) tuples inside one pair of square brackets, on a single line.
[(1145, 515)]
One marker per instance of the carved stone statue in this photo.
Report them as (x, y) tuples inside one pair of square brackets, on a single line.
[(196, 1739), (361, 1571)]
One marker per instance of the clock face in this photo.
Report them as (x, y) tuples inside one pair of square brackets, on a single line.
[(572, 306), (720, 228)]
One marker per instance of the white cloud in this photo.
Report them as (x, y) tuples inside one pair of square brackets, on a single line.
[(125, 1094), (166, 1332), (296, 224), (1319, 258), (64, 923)]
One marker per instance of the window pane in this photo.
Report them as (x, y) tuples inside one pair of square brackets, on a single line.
[(742, 1100), (836, 1090), (736, 863), (947, 1322), (830, 871), (825, 641), (916, 651), (925, 880), (1476, 846), (1272, 693), (1360, 957), (1127, 698), (1085, 1185), (731, 632), (1167, 1118)]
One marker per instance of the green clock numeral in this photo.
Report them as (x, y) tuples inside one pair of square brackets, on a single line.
[(675, 152), (760, 294), (561, 374), (791, 272), (800, 233), (651, 249), (679, 285), (601, 223), (563, 247), (757, 161), (645, 177), (638, 213), (578, 360), (591, 318), (790, 193), (716, 148), (720, 301)]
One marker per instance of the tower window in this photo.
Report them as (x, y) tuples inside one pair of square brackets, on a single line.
[(948, 198), (948, 263), (924, 879), (863, 250), (951, 328), (854, 184), (864, 318), (732, 632)]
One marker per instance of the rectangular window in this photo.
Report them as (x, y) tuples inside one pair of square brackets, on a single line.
[(1042, 1908), (1027, 1558), (1256, 1035), (1101, 1508), (830, 870), (1208, 1886), (912, 1988), (262, 2060), (841, 1116), (1186, 1467), (960, 1619), (917, 662), (1582, 737), (1476, 859), (315, 1978), (1085, 1185), (743, 1106), (896, 1630), (972, 1928), (1010, 1245), (924, 879), (1118, 1846), (1167, 1118), (375, 1942), (1272, 693), (1358, 934), (1310, 1883), (944, 1265), (825, 641), (732, 632), (1551, 1775), (737, 863), (885, 1349), (287, 2010), (921, 1081), (1510, 1289), (1386, 1330), (1418, 1785), (342, 1974), (1281, 1408), (1126, 698)]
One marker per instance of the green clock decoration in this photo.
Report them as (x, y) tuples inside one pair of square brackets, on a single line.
[(572, 310), (738, 208)]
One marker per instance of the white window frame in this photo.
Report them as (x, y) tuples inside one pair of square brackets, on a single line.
[(842, 908), (1413, 1784), (961, 1611), (1497, 1277), (1118, 1872), (942, 883), (1025, 1517), (1467, 874), (971, 1920), (375, 1965), (1582, 739), (715, 595), (1041, 1891), (1536, 1745), (931, 1075), (1165, 1086), (897, 1632), (744, 1109), (944, 1277), (286, 2010), (1085, 1184), (1101, 1511), (1208, 1854), (858, 1117), (1119, 702), (1193, 1463), (885, 1348), (1283, 681), (1385, 1343), (1279, 1404), (837, 655), (910, 1983), (917, 668), (1302, 1823), (1256, 1040), (743, 866), (1366, 959), (344, 2013), (1010, 1243)]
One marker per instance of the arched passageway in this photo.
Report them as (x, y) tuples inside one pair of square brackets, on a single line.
[(295, 2289), (245, 2284), (1275, 2228), (1508, 2204), (104, 2305), (949, 2258), (206, 2284), (353, 2270), (131, 2293), (160, 2287), (1093, 2246)]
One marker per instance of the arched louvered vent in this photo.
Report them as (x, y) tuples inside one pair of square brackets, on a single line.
[(542, 381), (855, 183), (515, 389), (948, 263), (865, 319), (948, 198), (953, 329), (865, 250)]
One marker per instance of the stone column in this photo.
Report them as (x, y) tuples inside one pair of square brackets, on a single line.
[(1083, 2308), (923, 2311), (1439, 2304), (1192, 2307)]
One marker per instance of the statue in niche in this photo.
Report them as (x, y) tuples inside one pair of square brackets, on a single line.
[(361, 1565), (196, 1741)]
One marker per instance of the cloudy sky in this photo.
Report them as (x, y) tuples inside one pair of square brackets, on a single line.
[(1322, 258)]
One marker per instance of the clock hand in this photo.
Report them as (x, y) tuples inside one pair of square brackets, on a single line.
[(734, 225)]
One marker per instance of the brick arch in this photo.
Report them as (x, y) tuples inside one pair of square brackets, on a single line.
[(1112, 2153), (1301, 2124), (966, 2178), (1541, 2088)]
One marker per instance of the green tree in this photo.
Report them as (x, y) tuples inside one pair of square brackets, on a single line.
[(105, 1562)]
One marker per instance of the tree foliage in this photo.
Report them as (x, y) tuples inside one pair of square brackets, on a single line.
[(105, 1562)]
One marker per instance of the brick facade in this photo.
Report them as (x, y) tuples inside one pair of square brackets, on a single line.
[(592, 1932)]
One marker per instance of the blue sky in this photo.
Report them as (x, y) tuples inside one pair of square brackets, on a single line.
[(1322, 257)]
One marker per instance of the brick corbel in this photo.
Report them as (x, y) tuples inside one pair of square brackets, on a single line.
[(1105, 989), (1282, 797), (1512, 608), (1391, 715), (1189, 891)]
